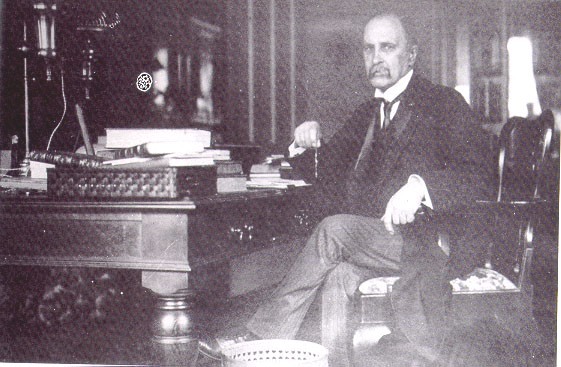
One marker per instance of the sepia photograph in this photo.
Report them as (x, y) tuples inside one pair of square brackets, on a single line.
[(279, 183)]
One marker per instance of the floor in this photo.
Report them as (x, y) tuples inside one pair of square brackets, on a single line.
[(119, 337)]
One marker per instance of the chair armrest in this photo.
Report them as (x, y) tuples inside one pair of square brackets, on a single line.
[(484, 233), (525, 207), (483, 207), (512, 203)]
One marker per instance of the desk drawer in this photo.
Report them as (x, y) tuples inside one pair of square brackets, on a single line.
[(239, 229), (70, 235)]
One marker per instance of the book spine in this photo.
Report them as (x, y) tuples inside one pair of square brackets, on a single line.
[(226, 168), (131, 152), (66, 159)]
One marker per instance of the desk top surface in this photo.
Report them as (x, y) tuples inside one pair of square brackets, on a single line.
[(42, 201)]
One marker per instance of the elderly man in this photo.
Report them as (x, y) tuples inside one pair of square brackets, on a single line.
[(415, 144)]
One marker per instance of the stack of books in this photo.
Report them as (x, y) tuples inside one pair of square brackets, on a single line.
[(264, 172), (230, 177), (203, 157), (119, 138), (273, 172), (156, 148), (273, 167)]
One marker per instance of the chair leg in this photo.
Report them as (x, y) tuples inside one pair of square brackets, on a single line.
[(369, 323)]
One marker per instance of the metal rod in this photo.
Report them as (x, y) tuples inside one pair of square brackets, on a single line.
[(26, 93), (292, 67), (273, 71), (250, 71)]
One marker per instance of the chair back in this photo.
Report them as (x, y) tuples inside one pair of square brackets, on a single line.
[(524, 146)]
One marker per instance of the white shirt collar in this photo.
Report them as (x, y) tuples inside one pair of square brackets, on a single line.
[(395, 90)]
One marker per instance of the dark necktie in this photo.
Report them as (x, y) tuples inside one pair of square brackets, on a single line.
[(377, 123), (387, 112)]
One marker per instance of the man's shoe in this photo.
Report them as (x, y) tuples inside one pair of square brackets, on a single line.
[(212, 347)]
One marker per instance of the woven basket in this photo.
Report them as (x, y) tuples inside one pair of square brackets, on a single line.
[(131, 183), (275, 353)]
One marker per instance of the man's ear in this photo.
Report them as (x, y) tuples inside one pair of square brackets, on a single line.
[(412, 55)]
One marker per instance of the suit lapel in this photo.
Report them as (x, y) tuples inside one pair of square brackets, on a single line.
[(370, 118), (405, 126)]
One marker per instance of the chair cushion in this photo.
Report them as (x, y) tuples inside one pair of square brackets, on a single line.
[(478, 280), (482, 279), (377, 285)]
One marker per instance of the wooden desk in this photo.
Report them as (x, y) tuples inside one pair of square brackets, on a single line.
[(166, 240)]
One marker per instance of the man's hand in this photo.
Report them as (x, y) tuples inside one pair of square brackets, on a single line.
[(308, 135), (403, 204)]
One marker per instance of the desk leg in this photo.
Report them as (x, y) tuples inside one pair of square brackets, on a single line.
[(173, 327)]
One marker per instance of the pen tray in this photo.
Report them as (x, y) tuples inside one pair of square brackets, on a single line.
[(122, 183)]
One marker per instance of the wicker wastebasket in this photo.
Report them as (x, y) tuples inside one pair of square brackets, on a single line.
[(275, 353)]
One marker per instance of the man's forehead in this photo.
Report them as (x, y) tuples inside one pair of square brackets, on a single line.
[(386, 28)]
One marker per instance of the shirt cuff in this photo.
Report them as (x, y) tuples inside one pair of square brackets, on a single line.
[(426, 197), (294, 151)]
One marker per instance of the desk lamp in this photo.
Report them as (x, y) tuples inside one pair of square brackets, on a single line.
[(90, 28), (43, 45)]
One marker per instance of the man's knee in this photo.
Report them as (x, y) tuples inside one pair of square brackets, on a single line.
[(347, 277), (335, 223), (331, 236)]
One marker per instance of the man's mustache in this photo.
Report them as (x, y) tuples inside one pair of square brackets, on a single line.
[(377, 70)]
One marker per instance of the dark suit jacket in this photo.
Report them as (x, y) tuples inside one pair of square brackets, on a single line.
[(440, 140), (437, 136)]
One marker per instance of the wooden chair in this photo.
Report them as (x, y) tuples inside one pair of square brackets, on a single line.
[(500, 289)]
